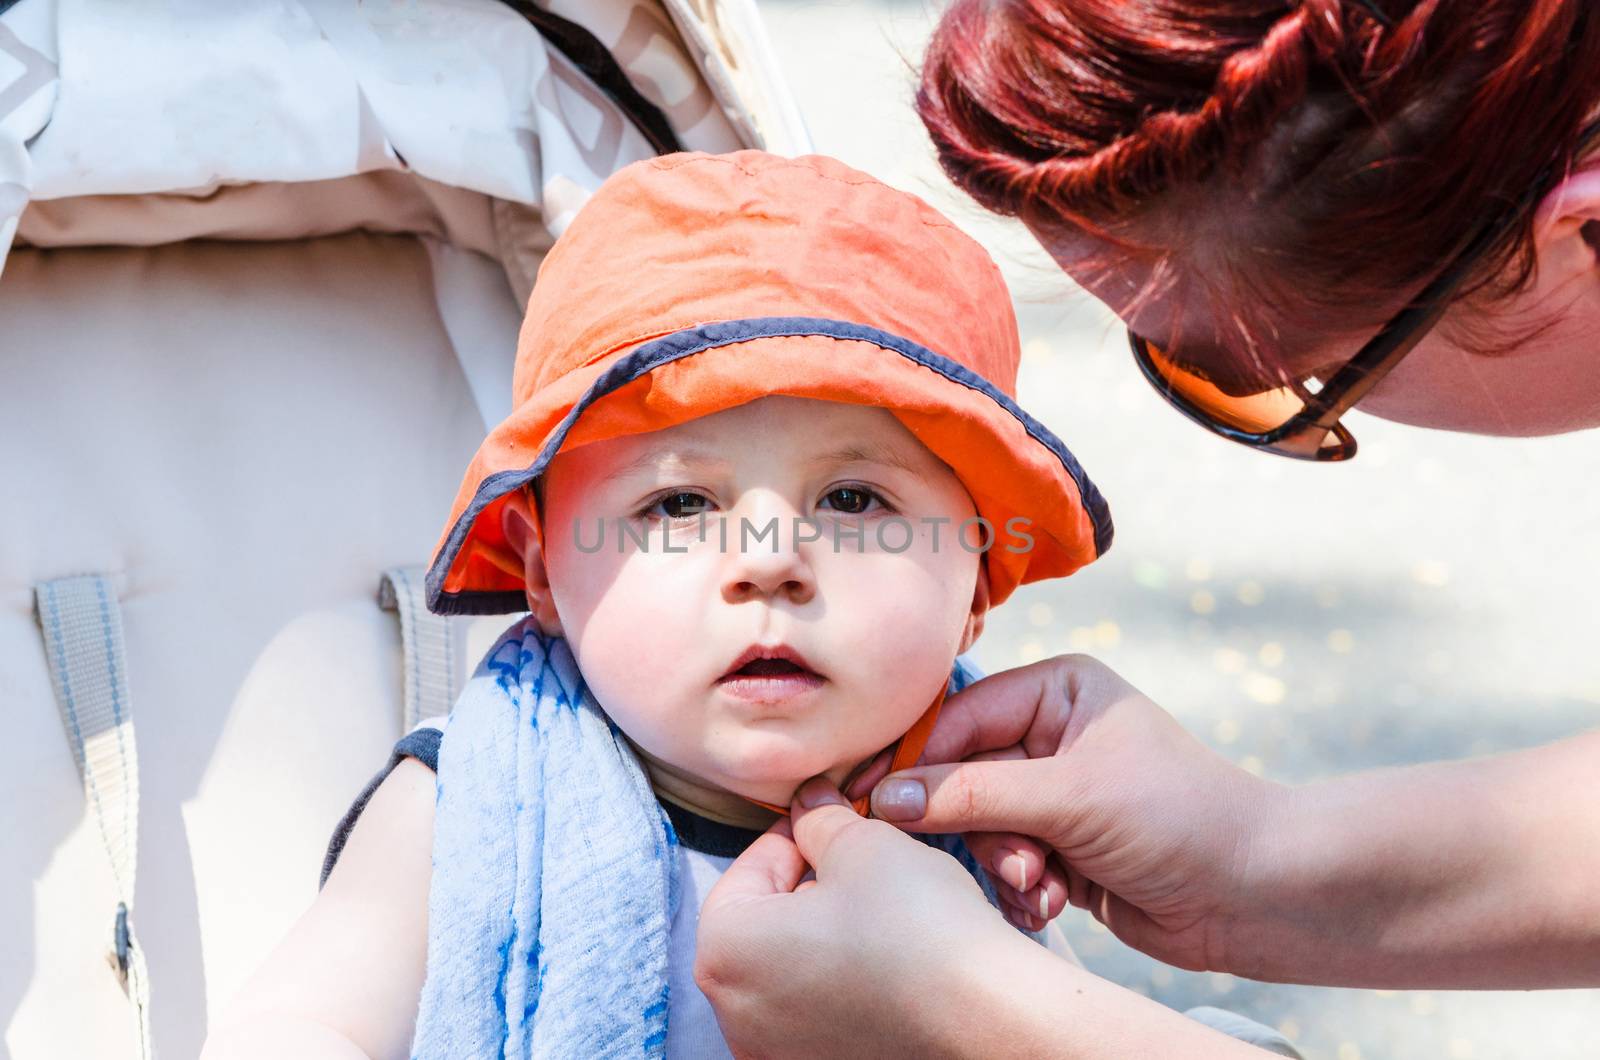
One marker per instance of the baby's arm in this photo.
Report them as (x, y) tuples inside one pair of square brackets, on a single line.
[(346, 980)]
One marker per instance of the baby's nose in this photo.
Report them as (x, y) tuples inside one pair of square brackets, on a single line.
[(765, 558)]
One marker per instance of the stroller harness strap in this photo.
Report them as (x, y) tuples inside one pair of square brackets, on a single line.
[(82, 627), (428, 641)]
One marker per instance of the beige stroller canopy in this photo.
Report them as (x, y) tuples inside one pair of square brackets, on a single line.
[(263, 267)]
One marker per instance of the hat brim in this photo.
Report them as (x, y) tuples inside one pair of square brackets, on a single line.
[(1011, 465)]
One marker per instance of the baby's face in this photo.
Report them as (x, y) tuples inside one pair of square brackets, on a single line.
[(857, 635)]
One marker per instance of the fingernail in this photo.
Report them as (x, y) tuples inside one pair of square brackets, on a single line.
[(900, 799), (818, 792), (1012, 867), (1044, 904)]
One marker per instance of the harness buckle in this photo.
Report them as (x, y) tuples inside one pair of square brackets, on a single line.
[(121, 943)]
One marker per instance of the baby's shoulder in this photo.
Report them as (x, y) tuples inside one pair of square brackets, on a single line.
[(415, 758)]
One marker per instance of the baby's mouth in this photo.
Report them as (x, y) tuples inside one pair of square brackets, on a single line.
[(769, 668), (769, 660), (770, 681)]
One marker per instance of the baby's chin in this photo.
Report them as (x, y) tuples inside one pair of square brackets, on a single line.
[(772, 774)]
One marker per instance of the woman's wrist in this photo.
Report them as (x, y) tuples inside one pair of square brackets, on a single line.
[(1340, 878), (987, 1006), (1299, 880), (1263, 912)]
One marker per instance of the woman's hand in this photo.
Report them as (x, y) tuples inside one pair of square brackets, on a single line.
[(1145, 827), (1474, 874), (892, 951), (887, 943)]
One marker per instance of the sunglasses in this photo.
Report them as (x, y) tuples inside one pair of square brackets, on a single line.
[(1301, 418)]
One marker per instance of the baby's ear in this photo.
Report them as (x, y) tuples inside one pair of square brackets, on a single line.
[(520, 524), (980, 608)]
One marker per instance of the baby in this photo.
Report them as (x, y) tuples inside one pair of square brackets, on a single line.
[(764, 479)]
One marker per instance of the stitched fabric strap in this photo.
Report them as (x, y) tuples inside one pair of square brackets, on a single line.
[(82, 629), (432, 678)]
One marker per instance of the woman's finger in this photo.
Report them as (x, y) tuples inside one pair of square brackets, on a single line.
[(1017, 860), (770, 865), (1030, 797), (991, 713), (1048, 900), (1077, 886), (867, 777), (1053, 881), (1011, 901), (1009, 753), (1020, 919)]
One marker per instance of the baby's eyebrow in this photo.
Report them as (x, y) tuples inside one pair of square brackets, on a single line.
[(677, 460), (857, 453), (682, 461)]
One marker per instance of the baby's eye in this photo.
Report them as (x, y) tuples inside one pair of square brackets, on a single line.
[(851, 500), (682, 504)]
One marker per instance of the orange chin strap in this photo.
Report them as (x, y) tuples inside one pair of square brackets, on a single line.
[(906, 753)]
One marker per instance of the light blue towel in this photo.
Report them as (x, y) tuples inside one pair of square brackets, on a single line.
[(554, 871)]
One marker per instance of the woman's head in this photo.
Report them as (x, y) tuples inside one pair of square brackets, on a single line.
[(1258, 185)]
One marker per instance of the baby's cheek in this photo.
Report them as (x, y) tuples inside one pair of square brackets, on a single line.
[(633, 688), (876, 730), (650, 722), (899, 677)]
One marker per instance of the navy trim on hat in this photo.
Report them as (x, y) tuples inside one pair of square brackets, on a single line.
[(686, 343)]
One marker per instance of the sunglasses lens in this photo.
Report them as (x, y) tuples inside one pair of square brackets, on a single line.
[(1252, 412), (1255, 412)]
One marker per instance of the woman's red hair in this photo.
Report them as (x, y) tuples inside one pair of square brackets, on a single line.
[(1350, 145)]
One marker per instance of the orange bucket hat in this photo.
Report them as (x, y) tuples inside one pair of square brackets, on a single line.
[(692, 283)]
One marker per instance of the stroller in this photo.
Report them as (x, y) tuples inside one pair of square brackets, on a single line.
[(264, 263)]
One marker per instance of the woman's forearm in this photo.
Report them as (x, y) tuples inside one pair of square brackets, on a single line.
[(1466, 874), (1018, 999)]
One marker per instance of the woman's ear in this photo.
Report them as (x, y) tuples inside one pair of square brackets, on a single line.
[(1567, 228), (520, 525), (980, 608)]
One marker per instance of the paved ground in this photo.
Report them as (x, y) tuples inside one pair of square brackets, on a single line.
[(1434, 598)]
